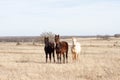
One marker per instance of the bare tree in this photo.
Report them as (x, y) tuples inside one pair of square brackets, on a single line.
[(47, 34)]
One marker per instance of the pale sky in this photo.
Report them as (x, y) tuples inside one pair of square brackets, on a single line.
[(64, 17)]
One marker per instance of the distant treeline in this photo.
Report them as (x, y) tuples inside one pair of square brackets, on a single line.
[(40, 39), (32, 38), (20, 39)]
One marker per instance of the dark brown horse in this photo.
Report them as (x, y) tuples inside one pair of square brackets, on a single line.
[(49, 49), (61, 49)]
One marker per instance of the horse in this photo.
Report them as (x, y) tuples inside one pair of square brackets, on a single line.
[(75, 49), (61, 49), (49, 49)]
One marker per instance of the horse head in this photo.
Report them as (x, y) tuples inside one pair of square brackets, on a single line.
[(46, 40), (57, 38), (74, 41)]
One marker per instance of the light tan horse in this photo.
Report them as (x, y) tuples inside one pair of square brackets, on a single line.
[(75, 49)]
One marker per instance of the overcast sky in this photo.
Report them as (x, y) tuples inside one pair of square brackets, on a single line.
[(64, 17)]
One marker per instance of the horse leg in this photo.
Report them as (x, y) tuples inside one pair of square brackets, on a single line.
[(60, 57), (72, 55), (75, 56), (63, 58), (67, 56), (57, 57), (46, 57), (54, 57), (50, 57)]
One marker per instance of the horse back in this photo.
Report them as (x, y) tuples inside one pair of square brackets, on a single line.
[(64, 46)]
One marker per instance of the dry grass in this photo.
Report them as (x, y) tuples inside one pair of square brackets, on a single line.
[(99, 60)]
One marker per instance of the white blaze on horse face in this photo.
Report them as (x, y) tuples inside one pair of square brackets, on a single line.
[(74, 41)]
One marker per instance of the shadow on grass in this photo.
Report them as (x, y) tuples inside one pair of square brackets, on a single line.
[(39, 62)]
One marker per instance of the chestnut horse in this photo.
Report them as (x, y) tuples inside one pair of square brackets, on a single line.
[(49, 49), (61, 49)]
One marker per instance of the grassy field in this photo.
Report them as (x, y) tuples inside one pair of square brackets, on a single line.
[(99, 60)]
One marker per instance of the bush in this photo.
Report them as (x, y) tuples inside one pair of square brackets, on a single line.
[(116, 35), (104, 37), (47, 34), (18, 43)]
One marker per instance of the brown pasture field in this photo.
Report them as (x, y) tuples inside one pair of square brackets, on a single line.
[(99, 60)]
